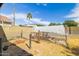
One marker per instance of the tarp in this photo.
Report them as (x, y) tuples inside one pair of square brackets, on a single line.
[(58, 29)]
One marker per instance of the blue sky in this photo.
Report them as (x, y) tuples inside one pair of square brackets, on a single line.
[(43, 13)]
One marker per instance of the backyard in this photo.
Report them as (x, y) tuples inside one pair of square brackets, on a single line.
[(33, 29), (18, 45)]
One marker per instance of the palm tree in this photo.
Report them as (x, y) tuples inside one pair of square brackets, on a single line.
[(29, 16)]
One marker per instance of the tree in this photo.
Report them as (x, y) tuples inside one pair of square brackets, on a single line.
[(58, 24), (70, 23), (51, 24), (29, 16), (39, 24)]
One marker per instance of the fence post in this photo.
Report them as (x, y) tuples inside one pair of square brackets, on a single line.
[(30, 40), (66, 36), (21, 33)]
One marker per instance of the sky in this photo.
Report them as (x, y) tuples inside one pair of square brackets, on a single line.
[(42, 13)]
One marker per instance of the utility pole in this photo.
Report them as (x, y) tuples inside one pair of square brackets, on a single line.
[(14, 14)]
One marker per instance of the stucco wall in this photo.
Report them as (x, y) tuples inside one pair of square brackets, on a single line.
[(16, 31)]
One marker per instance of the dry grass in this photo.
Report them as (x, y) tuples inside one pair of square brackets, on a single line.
[(73, 41)]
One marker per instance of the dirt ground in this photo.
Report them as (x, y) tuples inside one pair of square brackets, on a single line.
[(44, 48)]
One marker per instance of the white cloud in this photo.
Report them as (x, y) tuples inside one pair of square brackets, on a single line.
[(21, 16), (76, 20), (39, 21), (74, 13), (7, 15), (17, 15)]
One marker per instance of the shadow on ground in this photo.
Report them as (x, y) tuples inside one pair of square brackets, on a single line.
[(75, 51)]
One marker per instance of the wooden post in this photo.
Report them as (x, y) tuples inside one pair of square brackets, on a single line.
[(66, 37), (21, 33), (38, 35), (30, 40)]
